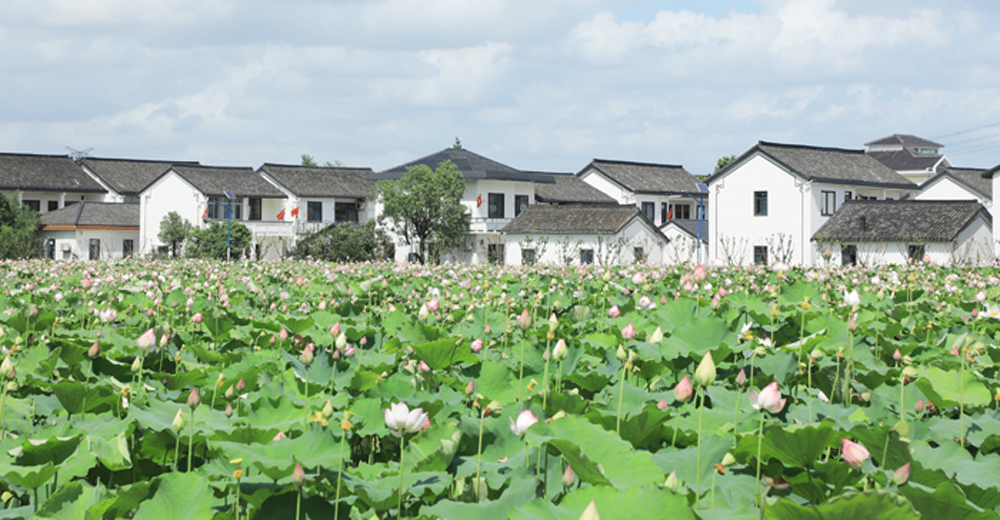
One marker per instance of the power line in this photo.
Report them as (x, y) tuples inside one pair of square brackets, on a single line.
[(974, 149), (974, 139), (966, 131)]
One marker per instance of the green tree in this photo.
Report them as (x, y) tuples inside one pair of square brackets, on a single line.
[(724, 161), (345, 243), (425, 208), (174, 230), (19, 227), (457, 144), (308, 160), (210, 242)]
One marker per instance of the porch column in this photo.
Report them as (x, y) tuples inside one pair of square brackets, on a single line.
[(62, 200)]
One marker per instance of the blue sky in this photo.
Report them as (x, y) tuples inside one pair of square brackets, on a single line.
[(536, 85)]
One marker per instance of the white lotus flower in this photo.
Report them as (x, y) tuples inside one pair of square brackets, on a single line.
[(852, 298), (400, 419)]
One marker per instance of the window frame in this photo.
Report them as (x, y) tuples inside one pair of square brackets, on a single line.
[(664, 212), (528, 256), (829, 199), (53, 205), (686, 211), (521, 203), (94, 249), (760, 255), (760, 204), (847, 196), (32, 204), (314, 211), (651, 207), (496, 254), (128, 247), (915, 252), (848, 251), (255, 208), (495, 203), (586, 257)]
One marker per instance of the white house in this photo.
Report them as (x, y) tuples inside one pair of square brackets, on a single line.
[(124, 179), (494, 194), (661, 191), (46, 183), (91, 231), (878, 232), (766, 205), (583, 234), (569, 189), (913, 157), (198, 194), (321, 196), (991, 174), (688, 241), (959, 184)]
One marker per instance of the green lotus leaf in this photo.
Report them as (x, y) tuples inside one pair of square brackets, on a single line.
[(851, 505), (445, 352), (612, 504), (945, 501), (74, 501), (946, 388), (179, 495)]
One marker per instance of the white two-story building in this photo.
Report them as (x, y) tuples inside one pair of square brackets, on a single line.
[(959, 184), (124, 179), (320, 196), (46, 183), (768, 203), (913, 157)]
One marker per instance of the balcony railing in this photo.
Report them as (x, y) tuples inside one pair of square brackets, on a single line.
[(485, 224)]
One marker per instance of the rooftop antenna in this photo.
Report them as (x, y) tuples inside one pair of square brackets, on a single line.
[(79, 155)]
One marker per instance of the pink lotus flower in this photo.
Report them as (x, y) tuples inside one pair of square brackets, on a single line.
[(854, 453), (684, 390), (400, 419), (433, 305), (769, 398), (193, 398), (699, 274), (335, 329), (94, 350), (147, 340), (638, 279), (477, 345), (283, 334), (568, 477), (662, 404), (614, 311), (524, 320), (628, 332), (524, 421), (423, 366), (278, 437), (470, 388), (298, 475), (591, 512), (196, 318), (902, 475)]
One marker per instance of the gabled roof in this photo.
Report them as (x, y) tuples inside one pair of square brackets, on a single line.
[(30, 172), (650, 178), (472, 165), (688, 226), (321, 181), (906, 160), (569, 189), (101, 215), (577, 219), (128, 176), (827, 165), (969, 178), (901, 220), (988, 174), (213, 181), (904, 140)]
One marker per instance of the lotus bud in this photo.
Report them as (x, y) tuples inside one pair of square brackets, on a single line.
[(341, 341), (568, 477), (487, 329), (494, 407), (657, 336), (308, 354), (470, 387), (662, 404), (728, 460), (335, 329), (178, 423), (328, 409), (240, 386), (433, 305), (672, 483), (298, 475), (620, 353), (741, 378), (94, 350), (553, 323), (854, 453), (163, 340), (7, 368), (283, 334), (715, 303), (363, 341), (684, 390), (230, 392), (147, 340), (136, 364), (229, 410), (628, 332), (591, 512), (902, 475), (560, 352), (476, 345), (614, 312), (524, 320), (193, 398), (704, 375), (423, 313)]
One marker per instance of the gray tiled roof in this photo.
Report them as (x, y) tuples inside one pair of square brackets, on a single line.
[(569, 189), (830, 165), (647, 177), (904, 140), (94, 214), (899, 220), (472, 165), (129, 176), (317, 181), (214, 180), (689, 226), (582, 219), (970, 178), (29, 172), (906, 160)]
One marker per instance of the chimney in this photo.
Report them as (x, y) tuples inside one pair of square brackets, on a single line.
[(863, 223)]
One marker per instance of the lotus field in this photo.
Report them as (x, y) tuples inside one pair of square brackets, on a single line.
[(297, 390)]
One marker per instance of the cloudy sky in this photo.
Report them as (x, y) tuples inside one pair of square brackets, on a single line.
[(535, 84)]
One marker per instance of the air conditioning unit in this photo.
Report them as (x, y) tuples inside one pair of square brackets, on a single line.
[(66, 247)]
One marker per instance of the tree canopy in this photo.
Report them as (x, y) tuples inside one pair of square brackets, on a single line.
[(345, 243), (19, 228), (425, 208), (174, 230), (210, 242), (724, 161)]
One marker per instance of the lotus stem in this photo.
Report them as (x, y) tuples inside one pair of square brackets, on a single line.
[(520, 377), (961, 401), (545, 380), (621, 395), (177, 451), (697, 487), (340, 474), (399, 499), (191, 441), (677, 425), (3, 410), (479, 453), (736, 411), (760, 448), (298, 503)]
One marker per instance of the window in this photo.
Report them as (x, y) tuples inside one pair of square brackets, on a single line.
[(682, 211), (639, 255), (345, 212), (218, 208), (649, 209), (760, 255), (314, 211), (829, 203), (760, 203), (527, 257), (496, 205), (848, 255), (95, 249), (494, 253), (664, 213), (256, 209), (128, 248), (131, 199), (586, 256), (50, 249), (520, 204), (53, 205), (33, 205), (847, 196), (915, 252)]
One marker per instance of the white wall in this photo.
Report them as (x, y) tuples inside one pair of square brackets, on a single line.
[(947, 189), (973, 246), (605, 185), (683, 248), (169, 193), (78, 242), (636, 234), (61, 198)]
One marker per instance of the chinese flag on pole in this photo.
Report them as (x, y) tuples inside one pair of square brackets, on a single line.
[(295, 211), (204, 214), (479, 201), (670, 215), (281, 215)]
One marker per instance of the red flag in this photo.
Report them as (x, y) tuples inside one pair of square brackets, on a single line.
[(670, 214), (479, 201), (281, 215), (295, 211), (204, 214)]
